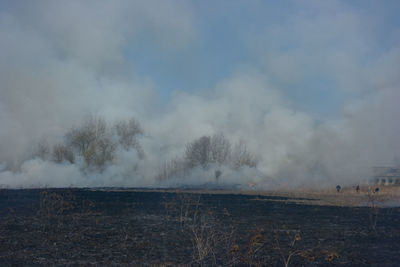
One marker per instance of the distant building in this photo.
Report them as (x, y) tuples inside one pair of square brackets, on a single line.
[(386, 176)]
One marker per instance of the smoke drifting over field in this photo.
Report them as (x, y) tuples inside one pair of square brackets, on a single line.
[(63, 61)]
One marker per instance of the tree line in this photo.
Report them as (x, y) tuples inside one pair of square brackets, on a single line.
[(95, 143), (206, 152)]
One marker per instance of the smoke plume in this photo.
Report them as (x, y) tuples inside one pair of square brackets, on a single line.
[(61, 62)]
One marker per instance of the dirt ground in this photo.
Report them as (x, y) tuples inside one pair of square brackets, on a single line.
[(173, 227)]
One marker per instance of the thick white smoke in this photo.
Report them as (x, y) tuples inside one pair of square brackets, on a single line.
[(60, 62)]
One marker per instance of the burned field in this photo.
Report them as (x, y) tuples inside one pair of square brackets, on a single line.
[(98, 227)]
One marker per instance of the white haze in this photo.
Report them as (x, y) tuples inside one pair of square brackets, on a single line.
[(62, 61)]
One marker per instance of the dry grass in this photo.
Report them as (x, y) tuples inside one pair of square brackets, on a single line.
[(348, 197)]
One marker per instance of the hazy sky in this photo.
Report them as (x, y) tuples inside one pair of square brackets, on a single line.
[(292, 77), (319, 53)]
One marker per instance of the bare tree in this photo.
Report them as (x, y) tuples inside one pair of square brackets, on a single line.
[(62, 153), (42, 150), (104, 151), (82, 137), (198, 152), (92, 140), (127, 132), (242, 157), (172, 168), (206, 150), (220, 148)]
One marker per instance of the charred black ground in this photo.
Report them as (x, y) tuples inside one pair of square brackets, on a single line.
[(88, 227)]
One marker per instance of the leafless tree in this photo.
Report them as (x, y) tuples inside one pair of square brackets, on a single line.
[(220, 148), (207, 149), (172, 168), (82, 137), (42, 150), (104, 151), (198, 152), (92, 140), (215, 149), (62, 153), (242, 157), (127, 132)]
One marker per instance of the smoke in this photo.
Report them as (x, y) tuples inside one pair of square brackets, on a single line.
[(62, 61)]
